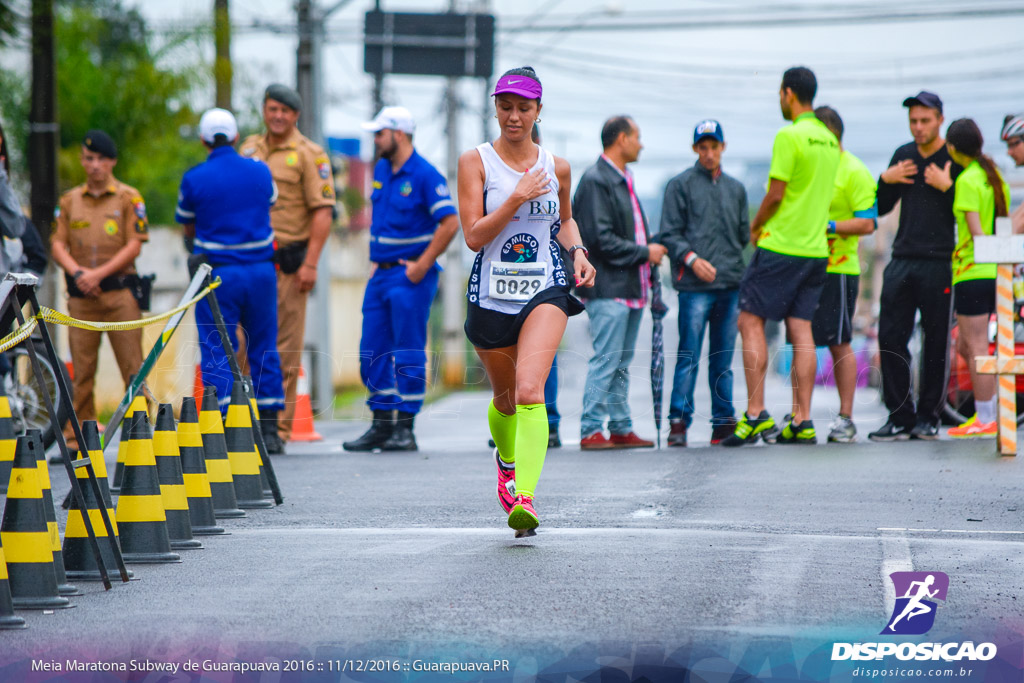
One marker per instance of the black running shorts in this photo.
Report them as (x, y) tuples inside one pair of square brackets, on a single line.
[(778, 286), (487, 329), (833, 321), (975, 297)]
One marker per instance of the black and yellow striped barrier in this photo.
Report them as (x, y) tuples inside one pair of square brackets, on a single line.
[(245, 462), (63, 587), (79, 560), (218, 467), (172, 486), (138, 404), (268, 493), (141, 521), (23, 534), (193, 472), (8, 622), (8, 441)]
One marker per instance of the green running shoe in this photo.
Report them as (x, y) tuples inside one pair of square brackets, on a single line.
[(802, 433), (749, 430)]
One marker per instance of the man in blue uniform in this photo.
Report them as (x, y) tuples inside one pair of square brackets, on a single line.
[(225, 204), (414, 220)]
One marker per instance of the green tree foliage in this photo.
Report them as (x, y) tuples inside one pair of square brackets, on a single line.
[(109, 76)]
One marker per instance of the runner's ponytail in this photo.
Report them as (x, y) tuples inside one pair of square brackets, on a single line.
[(966, 138)]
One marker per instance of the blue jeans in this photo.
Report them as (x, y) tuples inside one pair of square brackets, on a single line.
[(551, 395), (717, 311), (614, 328)]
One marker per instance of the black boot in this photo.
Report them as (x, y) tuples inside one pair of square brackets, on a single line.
[(401, 438), (375, 436), (268, 427)]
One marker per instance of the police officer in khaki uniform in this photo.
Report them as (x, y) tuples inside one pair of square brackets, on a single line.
[(301, 219), (100, 228)]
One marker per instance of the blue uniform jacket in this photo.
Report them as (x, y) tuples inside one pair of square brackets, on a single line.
[(228, 198), (407, 206)]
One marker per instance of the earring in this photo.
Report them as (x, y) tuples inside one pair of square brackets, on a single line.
[(538, 120), (495, 116)]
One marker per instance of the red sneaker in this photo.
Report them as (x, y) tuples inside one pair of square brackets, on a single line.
[(630, 440), (595, 442)]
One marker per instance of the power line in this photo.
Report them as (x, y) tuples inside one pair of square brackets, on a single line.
[(874, 17)]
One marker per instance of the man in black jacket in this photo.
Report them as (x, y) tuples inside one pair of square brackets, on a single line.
[(614, 229), (705, 225), (919, 276)]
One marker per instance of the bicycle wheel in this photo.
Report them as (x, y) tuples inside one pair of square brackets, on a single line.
[(28, 406)]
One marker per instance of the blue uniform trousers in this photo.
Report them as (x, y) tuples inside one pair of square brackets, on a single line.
[(392, 351), (247, 295)]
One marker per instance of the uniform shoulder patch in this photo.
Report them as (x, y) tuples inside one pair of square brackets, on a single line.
[(442, 190), (327, 191), (323, 167)]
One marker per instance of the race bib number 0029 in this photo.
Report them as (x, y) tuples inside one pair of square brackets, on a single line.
[(516, 281)]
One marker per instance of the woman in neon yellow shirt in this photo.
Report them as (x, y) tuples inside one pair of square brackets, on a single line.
[(981, 195)]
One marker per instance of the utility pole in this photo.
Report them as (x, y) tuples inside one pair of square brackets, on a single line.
[(222, 69), (453, 345), (309, 83), (43, 127)]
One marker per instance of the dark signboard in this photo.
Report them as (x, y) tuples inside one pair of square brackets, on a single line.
[(429, 44)]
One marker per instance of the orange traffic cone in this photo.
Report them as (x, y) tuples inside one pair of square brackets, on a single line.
[(218, 467), (193, 469), (78, 557), (245, 463), (23, 534), (8, 622), (141, 521), (197, 384), (302, 423), (8, 441), (138, 403), (63, 587)]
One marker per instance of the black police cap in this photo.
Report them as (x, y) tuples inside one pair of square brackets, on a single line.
[(101, 143), (284, 95)]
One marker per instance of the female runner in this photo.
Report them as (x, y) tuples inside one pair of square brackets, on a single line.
[(513, 201), (980, 196)]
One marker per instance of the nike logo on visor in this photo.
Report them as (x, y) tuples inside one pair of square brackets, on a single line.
[(511, 82)]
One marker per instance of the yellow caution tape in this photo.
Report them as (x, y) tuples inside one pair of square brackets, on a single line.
[(57, 318), (19, 335)]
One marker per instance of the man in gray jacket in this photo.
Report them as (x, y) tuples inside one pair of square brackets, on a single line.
[(705, 225), (614, 229)]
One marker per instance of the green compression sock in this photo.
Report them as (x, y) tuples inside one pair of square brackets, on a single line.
[(531, 446), (503, 431)]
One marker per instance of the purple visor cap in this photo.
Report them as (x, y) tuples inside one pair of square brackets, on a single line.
[(523, 86)]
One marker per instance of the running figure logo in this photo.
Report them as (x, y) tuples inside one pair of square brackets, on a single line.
[(914, 611)]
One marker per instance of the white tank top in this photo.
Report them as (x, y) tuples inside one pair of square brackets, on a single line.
[(523, 259)]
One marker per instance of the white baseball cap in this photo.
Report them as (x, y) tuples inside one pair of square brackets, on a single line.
[(218, 121), (392, 118)]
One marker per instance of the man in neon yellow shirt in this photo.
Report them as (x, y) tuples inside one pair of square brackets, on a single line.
[(787, 273), (853, 212)]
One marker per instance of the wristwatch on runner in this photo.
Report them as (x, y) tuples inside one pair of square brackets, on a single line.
[(573, 248)]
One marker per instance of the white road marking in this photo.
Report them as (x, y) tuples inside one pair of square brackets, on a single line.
[(896, 557), (952, 531)]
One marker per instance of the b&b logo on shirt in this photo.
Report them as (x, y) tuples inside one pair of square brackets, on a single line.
[(540, 211)]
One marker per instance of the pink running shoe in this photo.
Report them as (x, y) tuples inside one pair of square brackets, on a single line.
[(506, 482), (523, 517)]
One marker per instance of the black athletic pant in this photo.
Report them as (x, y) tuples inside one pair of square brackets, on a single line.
[(909, 285)]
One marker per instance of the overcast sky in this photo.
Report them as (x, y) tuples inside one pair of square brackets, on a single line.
[(668, 77)]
